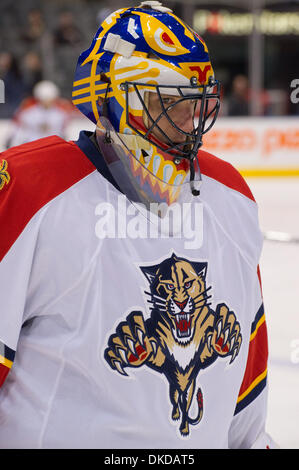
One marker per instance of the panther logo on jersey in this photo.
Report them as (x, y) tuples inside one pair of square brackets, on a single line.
[(182, 336)]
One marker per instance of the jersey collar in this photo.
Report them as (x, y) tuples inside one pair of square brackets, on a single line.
[(92, 152)]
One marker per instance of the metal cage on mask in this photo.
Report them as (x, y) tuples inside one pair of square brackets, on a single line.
[(188, 149)]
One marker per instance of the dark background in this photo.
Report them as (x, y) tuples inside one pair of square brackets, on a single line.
[(42, 39)]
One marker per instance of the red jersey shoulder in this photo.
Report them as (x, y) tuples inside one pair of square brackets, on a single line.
[(33, 174), (223, 172), (42, 169)]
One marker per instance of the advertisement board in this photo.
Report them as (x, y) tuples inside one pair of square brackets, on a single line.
[(257, 146)]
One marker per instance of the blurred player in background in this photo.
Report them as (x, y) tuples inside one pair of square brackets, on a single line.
[(41, 115), (141, 338)]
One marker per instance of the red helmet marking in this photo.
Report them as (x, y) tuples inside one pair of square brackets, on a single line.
[(202, 74), (167, 39)]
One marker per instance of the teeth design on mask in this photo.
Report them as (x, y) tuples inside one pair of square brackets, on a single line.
[(178, 180), (128, 131), (156, 164), (138, 154), (167, 173)]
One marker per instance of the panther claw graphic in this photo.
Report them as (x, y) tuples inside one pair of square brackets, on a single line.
[(225, 337), (130, 346), (181, 336)]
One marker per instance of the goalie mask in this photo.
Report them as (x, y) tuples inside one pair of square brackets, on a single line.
[(147, 83)]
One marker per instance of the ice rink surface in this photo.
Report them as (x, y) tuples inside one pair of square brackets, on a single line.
[(278, 201)]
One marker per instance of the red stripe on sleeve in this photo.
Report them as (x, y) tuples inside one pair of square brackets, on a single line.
[(257, 357), (260, 279), (39, 171), (3, 373)]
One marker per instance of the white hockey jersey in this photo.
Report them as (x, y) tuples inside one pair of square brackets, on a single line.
[(115, 333), (34, 121)]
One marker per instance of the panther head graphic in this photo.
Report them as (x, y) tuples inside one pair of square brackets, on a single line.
[(178, 290)]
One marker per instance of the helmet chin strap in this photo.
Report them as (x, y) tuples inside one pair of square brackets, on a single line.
[(194, 191), (193, 155)]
